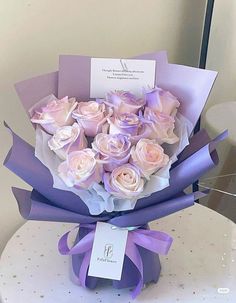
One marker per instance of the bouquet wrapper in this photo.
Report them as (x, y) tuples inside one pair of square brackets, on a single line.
[(141, 264), (130, 274)]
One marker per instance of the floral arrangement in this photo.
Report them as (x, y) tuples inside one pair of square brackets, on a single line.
[(122, 159), (119, 149)]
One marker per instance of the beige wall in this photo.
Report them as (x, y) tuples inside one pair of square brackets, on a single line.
[(33, 33), (222, 51), (222, 58)]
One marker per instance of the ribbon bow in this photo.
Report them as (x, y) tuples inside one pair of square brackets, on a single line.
[(155, 241)]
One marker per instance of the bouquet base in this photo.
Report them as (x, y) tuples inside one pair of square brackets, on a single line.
[(130, 275)]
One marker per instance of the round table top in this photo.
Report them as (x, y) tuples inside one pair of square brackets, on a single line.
[(200, 267), (221, 117)]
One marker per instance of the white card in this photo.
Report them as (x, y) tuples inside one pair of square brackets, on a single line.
[(108, 252), (120, 74)]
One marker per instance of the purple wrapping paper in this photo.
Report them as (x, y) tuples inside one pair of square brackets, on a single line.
[(181, 81), (34, 206), (32, 90), (151, 240), (151, 213), (196, 142)]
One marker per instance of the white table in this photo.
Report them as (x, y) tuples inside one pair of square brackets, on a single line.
[(200, 267)]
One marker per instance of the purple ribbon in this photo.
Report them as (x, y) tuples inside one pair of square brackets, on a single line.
[(155, 241)]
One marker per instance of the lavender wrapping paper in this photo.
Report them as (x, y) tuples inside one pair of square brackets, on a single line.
[(157, 211), (34, 206), (181, 81), (32, 90)]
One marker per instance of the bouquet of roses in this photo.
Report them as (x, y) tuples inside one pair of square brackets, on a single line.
[(113, 151), (124, 159)]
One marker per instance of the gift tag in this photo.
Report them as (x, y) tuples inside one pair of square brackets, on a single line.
[(120, 74), (108, 251)]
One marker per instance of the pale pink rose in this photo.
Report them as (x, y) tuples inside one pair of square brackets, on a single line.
[(128, 123), (80, 169), (56, 113), (124, 102), (113, 150), (161, 126), (124, 182), (67, 139), (162, 101), (91, 115), (148, 156)]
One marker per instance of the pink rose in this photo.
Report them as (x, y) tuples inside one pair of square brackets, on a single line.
[(114, 150), (80, 169), (124, 102), (148, 156), (162, 101), (91, 116), (128, 123), (56, 113), (124, 182), (67, 139), (161, 126)]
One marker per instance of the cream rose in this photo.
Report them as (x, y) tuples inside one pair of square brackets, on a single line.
[(80, 169), (91, 116), (67, 139), (148, 156), (124, 182), (56, 113)]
